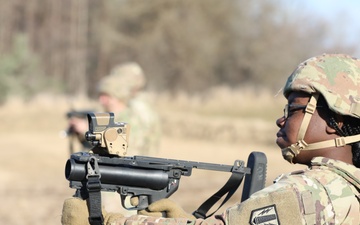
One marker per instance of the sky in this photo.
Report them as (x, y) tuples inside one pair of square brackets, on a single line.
[(347, 12), (329, 8)]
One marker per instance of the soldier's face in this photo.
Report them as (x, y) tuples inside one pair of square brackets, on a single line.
[(290, 123), (111, 103), (106, 102)]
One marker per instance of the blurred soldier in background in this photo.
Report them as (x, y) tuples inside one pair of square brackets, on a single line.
[(121, 92), (320, 128)]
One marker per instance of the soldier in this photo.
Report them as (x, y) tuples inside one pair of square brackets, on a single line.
[(121, 93), (320, 128)]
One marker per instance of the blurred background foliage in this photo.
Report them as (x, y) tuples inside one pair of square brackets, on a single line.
[(183, 45)]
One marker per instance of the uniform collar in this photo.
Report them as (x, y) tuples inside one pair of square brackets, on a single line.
[(347, 171)]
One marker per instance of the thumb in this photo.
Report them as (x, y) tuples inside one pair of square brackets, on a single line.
[(163, 205)]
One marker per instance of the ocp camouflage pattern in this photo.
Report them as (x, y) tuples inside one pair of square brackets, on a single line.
[(327, 192), (335, 76), (123, 81), (145, 127)]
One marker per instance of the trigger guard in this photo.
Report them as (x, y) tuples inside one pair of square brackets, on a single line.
[(143, 202)]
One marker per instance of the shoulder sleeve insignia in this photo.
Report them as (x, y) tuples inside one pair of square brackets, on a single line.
[(265, 215)]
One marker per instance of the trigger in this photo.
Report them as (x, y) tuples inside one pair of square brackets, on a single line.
[(134, 201)]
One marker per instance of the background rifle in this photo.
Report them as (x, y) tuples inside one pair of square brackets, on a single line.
[(70, 132)]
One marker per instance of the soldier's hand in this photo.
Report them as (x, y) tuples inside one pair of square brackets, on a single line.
[(79, 125), (170, 208), (75, 212)]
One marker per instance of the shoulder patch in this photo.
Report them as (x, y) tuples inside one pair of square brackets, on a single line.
[(264, 215)]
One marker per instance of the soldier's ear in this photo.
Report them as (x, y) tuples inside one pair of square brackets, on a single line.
[(339, 121)]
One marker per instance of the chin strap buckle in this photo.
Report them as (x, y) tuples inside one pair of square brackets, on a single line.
[(340, 141)]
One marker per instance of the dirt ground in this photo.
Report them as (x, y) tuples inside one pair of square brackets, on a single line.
[(34, 154)]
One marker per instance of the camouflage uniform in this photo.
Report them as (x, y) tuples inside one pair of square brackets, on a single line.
[(325, 193), (144, 127)]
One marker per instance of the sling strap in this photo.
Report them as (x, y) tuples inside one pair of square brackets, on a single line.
[(94, 189), (255, 181)]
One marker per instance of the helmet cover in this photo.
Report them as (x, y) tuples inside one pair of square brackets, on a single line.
[(123, 81), (335, 76)]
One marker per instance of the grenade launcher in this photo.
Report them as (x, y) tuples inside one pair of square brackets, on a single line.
[(106, 168)]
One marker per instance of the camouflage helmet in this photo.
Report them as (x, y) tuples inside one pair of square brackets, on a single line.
[(123, 82), (335, 76)]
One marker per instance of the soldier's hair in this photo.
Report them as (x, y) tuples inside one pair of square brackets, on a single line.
[(351, 126)]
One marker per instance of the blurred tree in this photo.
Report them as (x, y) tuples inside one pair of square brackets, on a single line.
[(181, 44), (17, 69)]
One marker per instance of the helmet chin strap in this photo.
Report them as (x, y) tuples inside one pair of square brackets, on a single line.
[(293, 150)]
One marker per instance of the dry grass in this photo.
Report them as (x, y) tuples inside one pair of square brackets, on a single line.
[(219, 128), (247, 102)]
